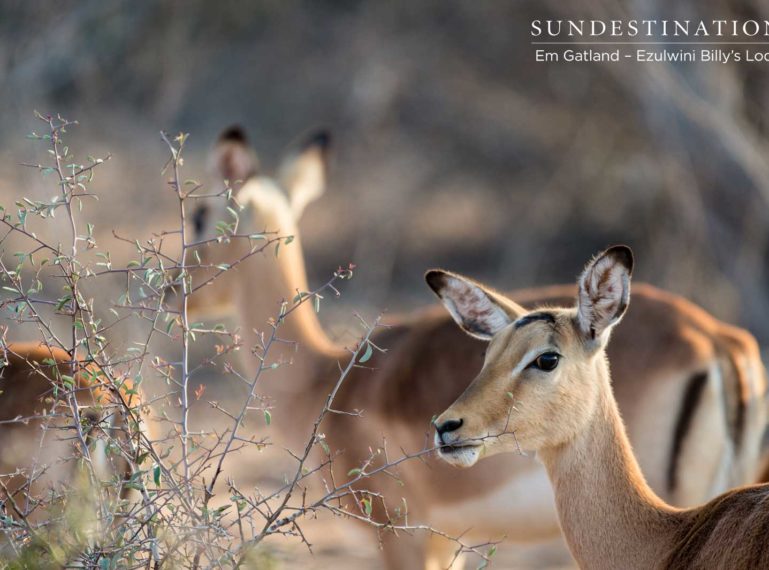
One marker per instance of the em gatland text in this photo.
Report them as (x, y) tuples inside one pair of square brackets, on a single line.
[(649, 41)]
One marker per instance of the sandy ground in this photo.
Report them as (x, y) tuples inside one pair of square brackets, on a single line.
[(344, 546)]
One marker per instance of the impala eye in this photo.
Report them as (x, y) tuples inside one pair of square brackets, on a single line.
[(546, 362)]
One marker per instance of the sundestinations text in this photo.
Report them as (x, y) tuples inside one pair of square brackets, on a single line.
[(649, 28)]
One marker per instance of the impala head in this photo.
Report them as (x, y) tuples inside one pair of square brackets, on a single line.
[(260, 202), (543, 370)]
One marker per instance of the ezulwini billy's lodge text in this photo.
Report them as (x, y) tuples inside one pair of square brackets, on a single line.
[(647, 55)]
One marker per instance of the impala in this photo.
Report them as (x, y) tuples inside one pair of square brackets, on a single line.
[(30, 373), (545, 387), (690, 387)]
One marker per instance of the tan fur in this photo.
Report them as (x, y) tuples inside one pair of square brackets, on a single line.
[(26, 386), (663, 342), (610, 516)]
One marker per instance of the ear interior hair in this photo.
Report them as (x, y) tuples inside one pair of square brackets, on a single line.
[(480, 311), (604, 291)]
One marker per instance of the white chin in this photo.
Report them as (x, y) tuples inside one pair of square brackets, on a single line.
[(465, 456)]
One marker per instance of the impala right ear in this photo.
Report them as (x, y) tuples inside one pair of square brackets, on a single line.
[(480, 312), (604, 292), (304, 172), (232, 157)]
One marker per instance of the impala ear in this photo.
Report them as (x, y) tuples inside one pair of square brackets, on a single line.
[(303, 173), (604, 292), (480, 312), (232, 158)]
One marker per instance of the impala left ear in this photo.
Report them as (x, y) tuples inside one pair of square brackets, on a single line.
[(604, 292), (232, 157), (303, 173), (478, 310)]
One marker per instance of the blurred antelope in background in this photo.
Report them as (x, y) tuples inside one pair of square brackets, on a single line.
[(38, 441), (689, 387), (545, 387)]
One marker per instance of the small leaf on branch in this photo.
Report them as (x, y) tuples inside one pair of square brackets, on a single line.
[(366, 354), (367, 506)]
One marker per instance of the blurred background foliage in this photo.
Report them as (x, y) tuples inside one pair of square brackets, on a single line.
[(453, 147)]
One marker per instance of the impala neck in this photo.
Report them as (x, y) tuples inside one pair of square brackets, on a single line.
[(609, 515), (304, 350)]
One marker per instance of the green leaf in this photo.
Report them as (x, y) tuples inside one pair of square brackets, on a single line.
[(485, 563), (366, 354), (156, 475), (267, 417), (352, 472), (367, 506)]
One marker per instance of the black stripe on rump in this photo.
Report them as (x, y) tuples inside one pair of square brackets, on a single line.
[(689, 404)]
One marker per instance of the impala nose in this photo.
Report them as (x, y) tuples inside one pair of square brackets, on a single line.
[(444, 430)]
